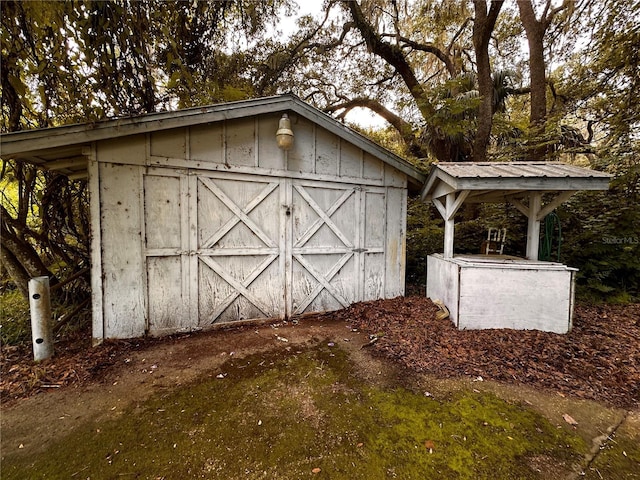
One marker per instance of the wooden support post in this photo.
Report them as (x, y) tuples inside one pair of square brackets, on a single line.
[(448, 211), (41, 327), (449, 227), (96, 249), (533, 227)]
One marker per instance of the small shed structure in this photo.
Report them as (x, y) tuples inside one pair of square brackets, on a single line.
[(198, 218), (503, 291)]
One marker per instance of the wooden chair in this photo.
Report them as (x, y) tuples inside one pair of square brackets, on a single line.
[(494, 244)]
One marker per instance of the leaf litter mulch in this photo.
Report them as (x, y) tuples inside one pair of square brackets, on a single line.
[(599, 359)]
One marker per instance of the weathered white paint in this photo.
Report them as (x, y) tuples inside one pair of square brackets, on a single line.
[(243, 230), (52, 144), (97, 310), (211, 223), (198, 217), (443, 283), (394, 242), (533, 225), (124, 308), (40, 310), (492, 292)]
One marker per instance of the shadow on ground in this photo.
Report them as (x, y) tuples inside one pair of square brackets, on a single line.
[(324, 409)]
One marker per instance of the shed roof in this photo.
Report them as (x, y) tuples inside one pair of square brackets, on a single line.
[(493, 182), (65, 148)]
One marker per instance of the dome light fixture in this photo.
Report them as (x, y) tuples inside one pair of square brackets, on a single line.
[(284, 135)]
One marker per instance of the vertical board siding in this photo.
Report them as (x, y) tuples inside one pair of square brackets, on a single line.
[(374, 278), (373, 168), (249, 242), (240, 142), (350, 160), (239, 216), (327, 145), (206, 143), (301, 157), (128, 150), (124, 306), (394, 178), (395, 236), (375, 219), (163, 227), (167, 238), (169, 143), (96, 249), (167, 305), (269, 155)]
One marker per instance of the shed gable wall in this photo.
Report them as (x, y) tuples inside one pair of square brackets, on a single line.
[(236, 150), (249, 143)]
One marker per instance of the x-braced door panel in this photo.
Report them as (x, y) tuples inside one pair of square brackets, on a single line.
[(337, 245), (240, 245)]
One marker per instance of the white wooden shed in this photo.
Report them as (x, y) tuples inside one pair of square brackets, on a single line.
[(503, 291), (198, 218)]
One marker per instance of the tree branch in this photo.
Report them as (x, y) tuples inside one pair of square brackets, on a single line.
[(402, 126), (429, 48), (392, 54)]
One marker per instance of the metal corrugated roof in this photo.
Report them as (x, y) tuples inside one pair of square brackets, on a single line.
[(493, 182), (518, 170)]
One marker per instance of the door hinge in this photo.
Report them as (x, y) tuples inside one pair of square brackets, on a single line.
[(359, 250)]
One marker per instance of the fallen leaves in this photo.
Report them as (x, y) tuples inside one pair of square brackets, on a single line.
[(429, 445), (569, 419), (597, 360)]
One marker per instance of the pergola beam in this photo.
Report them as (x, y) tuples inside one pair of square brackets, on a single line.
[(556, 202)]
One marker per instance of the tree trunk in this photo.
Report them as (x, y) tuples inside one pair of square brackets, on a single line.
[(483, 25), (393, 55), (21, 252), (534, 30), (15, 270)]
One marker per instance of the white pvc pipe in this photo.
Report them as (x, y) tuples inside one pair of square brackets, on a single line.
[(41, 327)]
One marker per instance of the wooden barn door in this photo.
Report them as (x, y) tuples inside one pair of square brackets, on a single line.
[(240, 248), (167, 242), (224, 247), (337, 246)]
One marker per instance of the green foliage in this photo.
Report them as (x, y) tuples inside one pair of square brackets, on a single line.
[(601, 237), (425, 235), (14, 318), (69, 62)]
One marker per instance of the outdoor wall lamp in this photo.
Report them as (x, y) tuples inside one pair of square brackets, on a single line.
[(284, 135)]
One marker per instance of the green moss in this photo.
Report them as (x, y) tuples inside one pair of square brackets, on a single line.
[(282, 415), (619, 458)]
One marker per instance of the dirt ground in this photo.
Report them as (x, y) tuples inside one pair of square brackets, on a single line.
[(43, 403)]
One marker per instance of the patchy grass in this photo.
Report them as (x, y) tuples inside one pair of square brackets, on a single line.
[(305, 413)]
